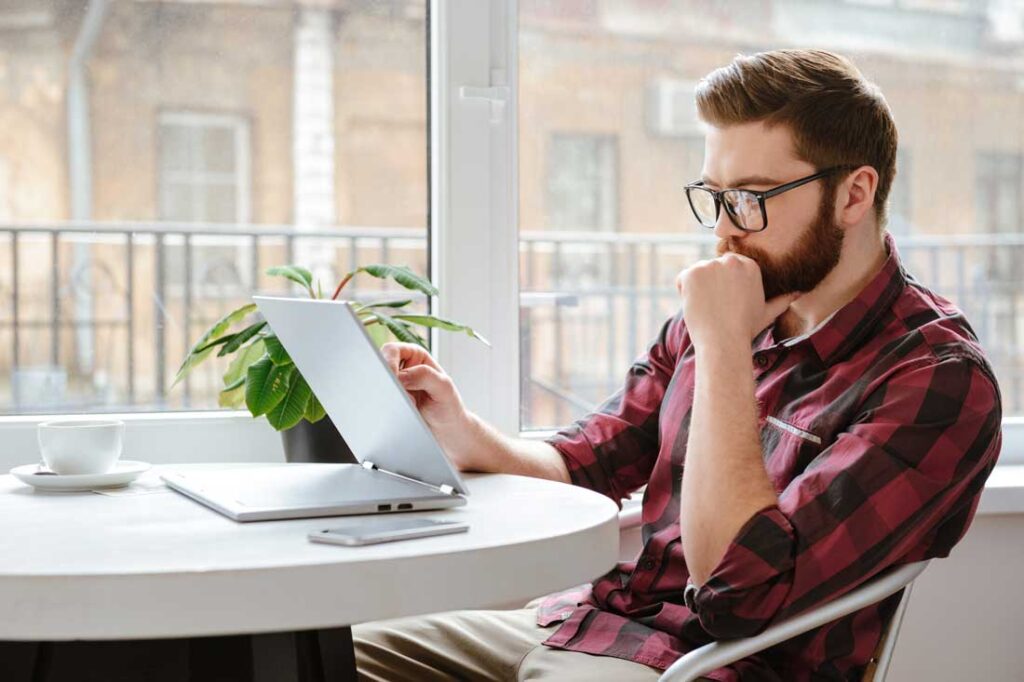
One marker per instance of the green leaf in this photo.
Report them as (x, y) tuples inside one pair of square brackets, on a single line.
[(403, 275), (240, 363), (238, 340), (295, 273), (276, 350), (314, 410), (233, 395), (203, 347), (378, 333), (234, 398), (292, 407), (390, 304), (401, 330), (265, 385), (447, 325), (216, 342), (234, 384)]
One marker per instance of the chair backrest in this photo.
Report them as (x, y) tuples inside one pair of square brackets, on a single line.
[(878, 667), (717, 654)]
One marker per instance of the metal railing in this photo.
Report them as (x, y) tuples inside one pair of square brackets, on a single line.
[(621, 288), (97, 316)]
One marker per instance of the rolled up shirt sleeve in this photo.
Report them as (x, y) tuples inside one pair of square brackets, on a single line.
[(900, 484), (613, 449)]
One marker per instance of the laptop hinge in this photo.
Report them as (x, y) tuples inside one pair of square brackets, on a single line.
[(368, 465), (444, 489)]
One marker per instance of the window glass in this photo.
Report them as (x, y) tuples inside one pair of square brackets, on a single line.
[(149, 177), (625, 70)]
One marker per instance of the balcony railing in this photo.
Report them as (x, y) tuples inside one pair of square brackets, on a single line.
[(97, 316)]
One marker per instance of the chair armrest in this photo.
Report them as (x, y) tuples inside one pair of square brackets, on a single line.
[(717, 654)]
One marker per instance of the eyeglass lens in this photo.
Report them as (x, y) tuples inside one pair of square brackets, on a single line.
[(742, 206), (745, 207)]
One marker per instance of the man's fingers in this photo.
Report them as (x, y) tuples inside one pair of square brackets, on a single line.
[(778, 305), (423, 378), (401, 355), (391, 356)]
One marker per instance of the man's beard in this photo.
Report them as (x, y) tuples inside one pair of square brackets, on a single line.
[(806, 264)]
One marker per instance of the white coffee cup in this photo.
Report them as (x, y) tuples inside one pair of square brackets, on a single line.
[(78, 446)]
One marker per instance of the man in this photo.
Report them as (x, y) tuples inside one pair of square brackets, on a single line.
[(811, 416)]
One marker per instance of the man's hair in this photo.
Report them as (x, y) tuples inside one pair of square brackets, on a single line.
[(837, 117)]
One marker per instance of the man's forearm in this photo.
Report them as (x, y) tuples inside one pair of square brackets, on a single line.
[(724, 480), (477, 446)]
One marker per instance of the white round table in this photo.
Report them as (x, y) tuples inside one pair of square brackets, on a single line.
[(84, 566)]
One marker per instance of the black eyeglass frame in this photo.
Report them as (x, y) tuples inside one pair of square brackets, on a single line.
[(761, 196)]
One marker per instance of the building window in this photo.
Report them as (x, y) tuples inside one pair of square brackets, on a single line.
[(5, 190), (204, 168), (204, 178), (1000, 182), (999, 187), (582, 182), (900, 196)]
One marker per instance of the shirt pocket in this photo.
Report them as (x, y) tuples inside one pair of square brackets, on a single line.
[(793, 430), (788, 449)]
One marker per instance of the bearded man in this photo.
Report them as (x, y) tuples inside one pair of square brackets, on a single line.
[(810, 416)]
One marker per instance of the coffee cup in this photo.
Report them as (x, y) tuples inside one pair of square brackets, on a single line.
[(74, 446)]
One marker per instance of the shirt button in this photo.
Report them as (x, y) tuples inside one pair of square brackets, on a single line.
[(648, 564), (690, 596), (761, 361)]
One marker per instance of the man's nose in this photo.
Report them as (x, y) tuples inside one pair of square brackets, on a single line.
[(725, 227)]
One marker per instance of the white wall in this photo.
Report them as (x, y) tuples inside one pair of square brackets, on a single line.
[(965, 619)]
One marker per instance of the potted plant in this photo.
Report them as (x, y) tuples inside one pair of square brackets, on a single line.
[(262, 377)]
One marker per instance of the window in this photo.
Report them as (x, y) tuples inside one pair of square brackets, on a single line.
[(901, 196), (1000, 210), (592, 300), (204, 168), (548, 140), (1000, 184), (5, 194), (154, 177), (204, 177), (582, 182)]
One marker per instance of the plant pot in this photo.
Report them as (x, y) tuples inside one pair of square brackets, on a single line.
[(319, 442)]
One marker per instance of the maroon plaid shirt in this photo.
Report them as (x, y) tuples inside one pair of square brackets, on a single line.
[(878, 431)]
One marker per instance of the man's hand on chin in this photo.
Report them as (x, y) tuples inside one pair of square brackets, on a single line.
[(723, 300)]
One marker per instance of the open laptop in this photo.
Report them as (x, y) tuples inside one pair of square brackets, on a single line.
[(402, 466)]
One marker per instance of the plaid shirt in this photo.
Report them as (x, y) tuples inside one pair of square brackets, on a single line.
[(878, 430)]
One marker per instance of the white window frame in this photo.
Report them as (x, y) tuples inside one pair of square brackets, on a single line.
[(475, 197), (474, 259)]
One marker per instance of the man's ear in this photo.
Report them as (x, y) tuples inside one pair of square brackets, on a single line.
[(856, 195)]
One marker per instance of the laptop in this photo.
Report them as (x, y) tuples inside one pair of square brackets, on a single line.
[(401, 465)]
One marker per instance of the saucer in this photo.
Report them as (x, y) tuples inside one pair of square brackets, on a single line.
[(123, 473)]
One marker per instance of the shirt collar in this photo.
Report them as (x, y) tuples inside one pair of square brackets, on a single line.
[(847, 328)]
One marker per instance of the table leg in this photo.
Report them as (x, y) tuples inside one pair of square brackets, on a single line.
[(305, 656)]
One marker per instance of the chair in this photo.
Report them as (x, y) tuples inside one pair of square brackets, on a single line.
[(717, 654)]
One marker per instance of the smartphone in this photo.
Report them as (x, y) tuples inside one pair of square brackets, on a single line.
[(374, 530)]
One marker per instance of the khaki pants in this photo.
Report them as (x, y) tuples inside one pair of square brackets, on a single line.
[(479, 645)]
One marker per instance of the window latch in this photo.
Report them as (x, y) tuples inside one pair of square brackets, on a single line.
[(497, 95)]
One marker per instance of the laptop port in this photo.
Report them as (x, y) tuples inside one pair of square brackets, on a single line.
[(383, 507), (404, 505)]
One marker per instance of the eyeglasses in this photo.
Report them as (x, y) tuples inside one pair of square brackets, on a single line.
[(745, 207)]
